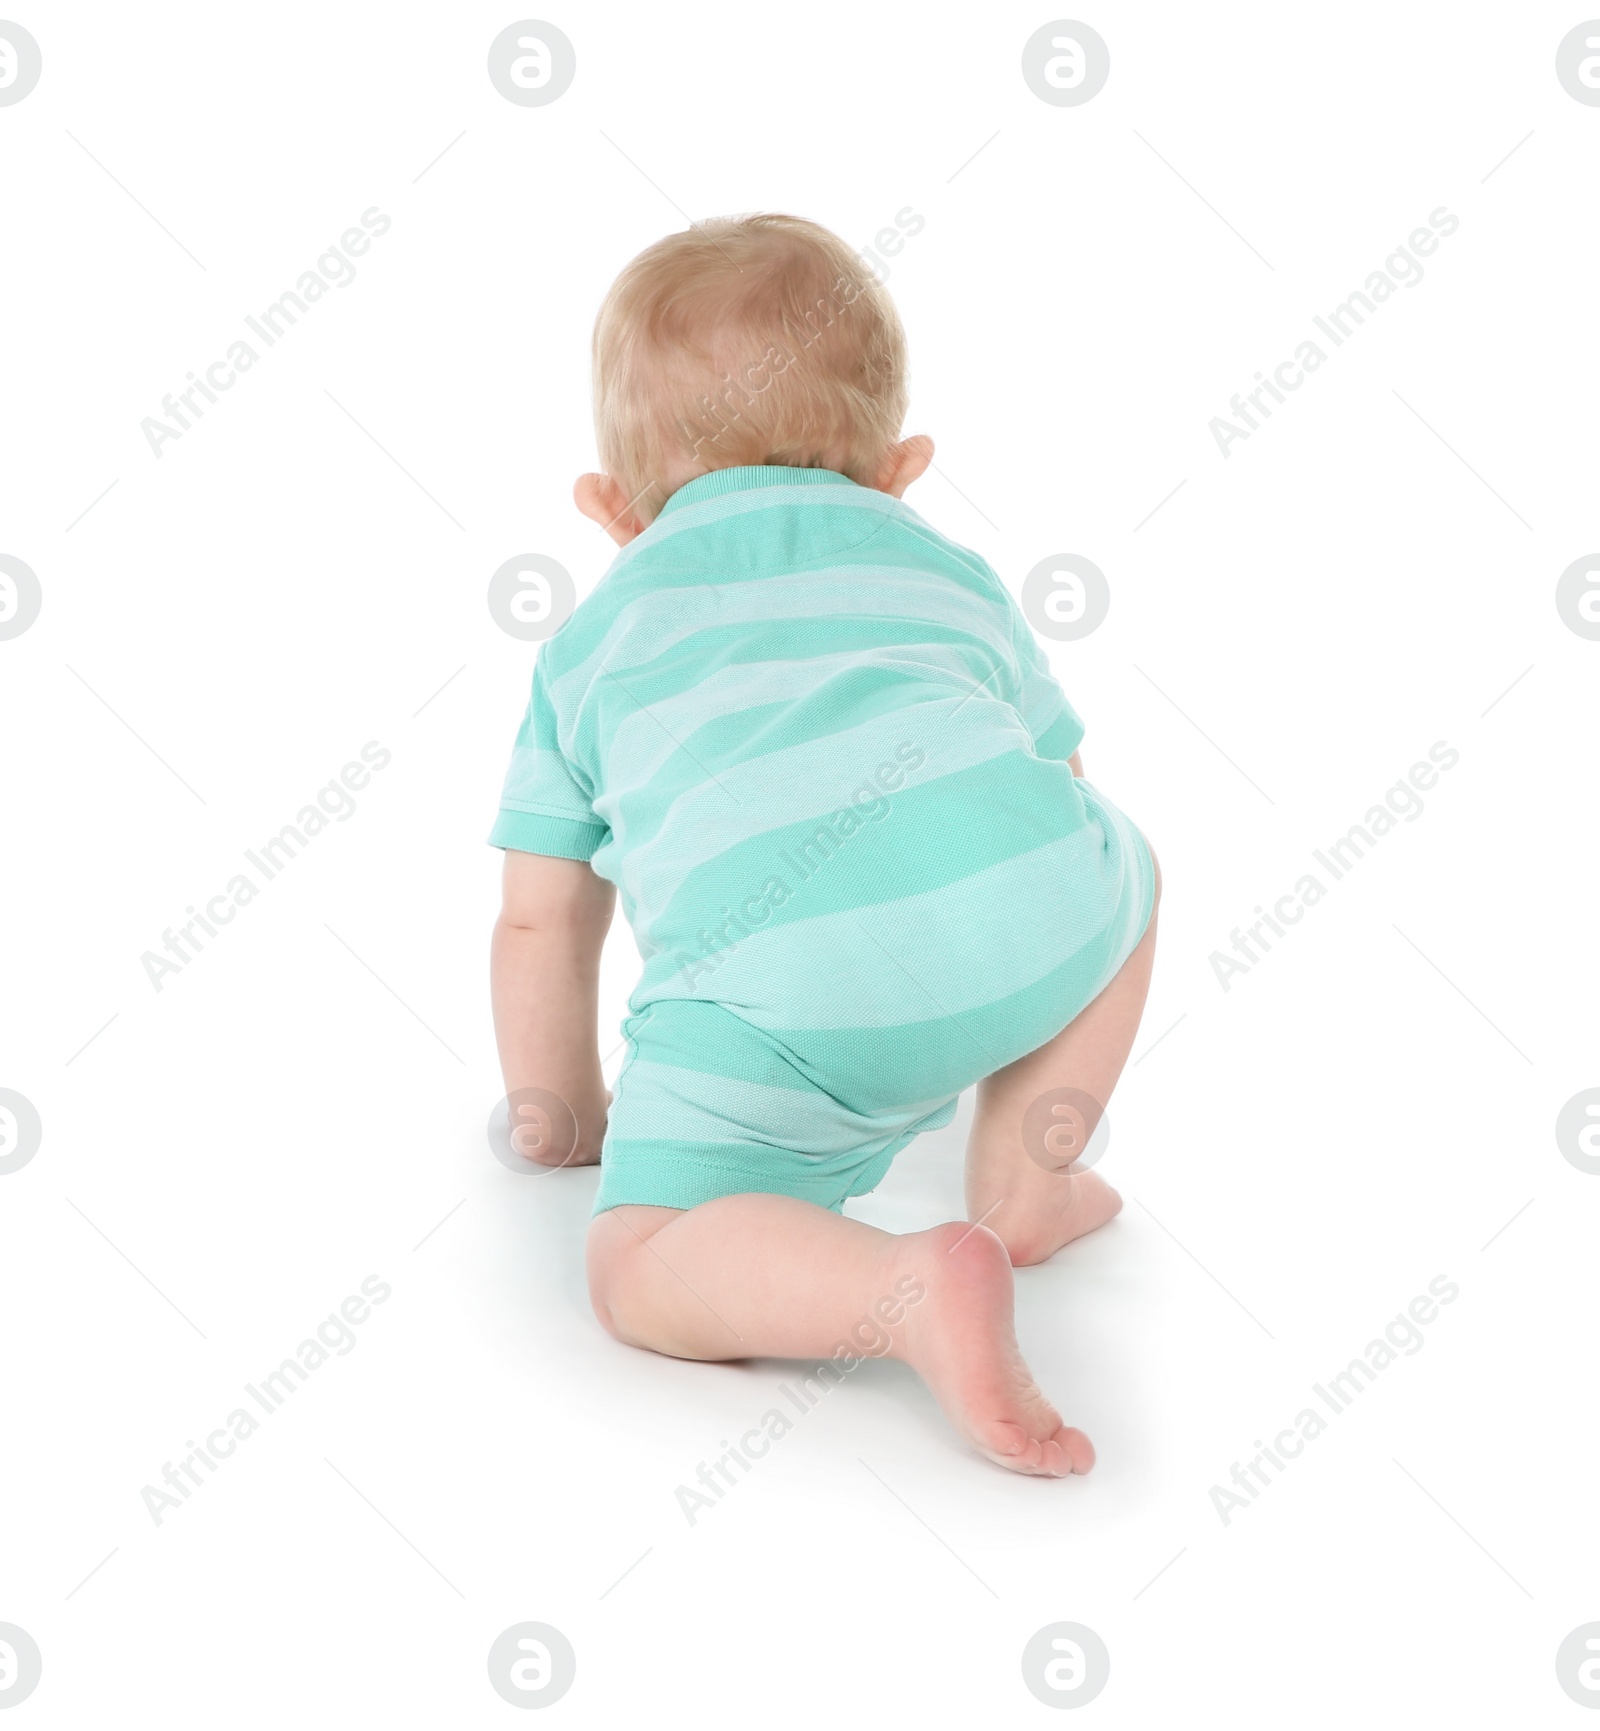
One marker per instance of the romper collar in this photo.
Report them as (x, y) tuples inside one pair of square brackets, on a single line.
[(747, 477)]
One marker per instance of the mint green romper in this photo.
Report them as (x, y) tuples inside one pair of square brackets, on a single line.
[(815, 747)]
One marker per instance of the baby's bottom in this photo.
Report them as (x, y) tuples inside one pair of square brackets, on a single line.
[(752, 1276)]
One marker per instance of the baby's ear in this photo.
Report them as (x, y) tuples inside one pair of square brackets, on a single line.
[(601, 499), (903, 463)]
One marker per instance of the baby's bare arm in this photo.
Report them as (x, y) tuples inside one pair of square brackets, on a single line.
[(544, 975)]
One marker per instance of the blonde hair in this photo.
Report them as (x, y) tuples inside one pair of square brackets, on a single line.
[(750, 339)]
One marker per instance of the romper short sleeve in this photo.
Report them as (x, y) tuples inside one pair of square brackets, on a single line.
[(1046, 713), (545, 802)]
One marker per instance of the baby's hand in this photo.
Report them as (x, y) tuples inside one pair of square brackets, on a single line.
[(536, 1127)]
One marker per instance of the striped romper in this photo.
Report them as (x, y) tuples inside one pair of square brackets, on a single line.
[(815, 747)]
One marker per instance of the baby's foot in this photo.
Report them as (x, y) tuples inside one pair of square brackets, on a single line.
[(959, 1338), (1051, 1211)]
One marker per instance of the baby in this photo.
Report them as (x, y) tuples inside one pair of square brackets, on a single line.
[(813, 744)]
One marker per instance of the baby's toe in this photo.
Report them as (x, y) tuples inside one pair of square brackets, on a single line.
[(1076, 1448)]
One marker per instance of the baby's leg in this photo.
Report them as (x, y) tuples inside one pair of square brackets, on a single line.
[(1033, 1209), (754, 1276)]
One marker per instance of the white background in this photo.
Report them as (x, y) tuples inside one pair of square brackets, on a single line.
[(297, 1110)]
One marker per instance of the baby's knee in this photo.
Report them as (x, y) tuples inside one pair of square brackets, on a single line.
[(616, 1247), (606, 1258)]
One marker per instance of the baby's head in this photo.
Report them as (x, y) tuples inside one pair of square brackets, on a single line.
[(746, 340)]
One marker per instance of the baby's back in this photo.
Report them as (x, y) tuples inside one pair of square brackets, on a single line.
[(823, 761)]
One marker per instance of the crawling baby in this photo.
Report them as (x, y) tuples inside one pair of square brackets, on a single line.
[(813, 745)]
